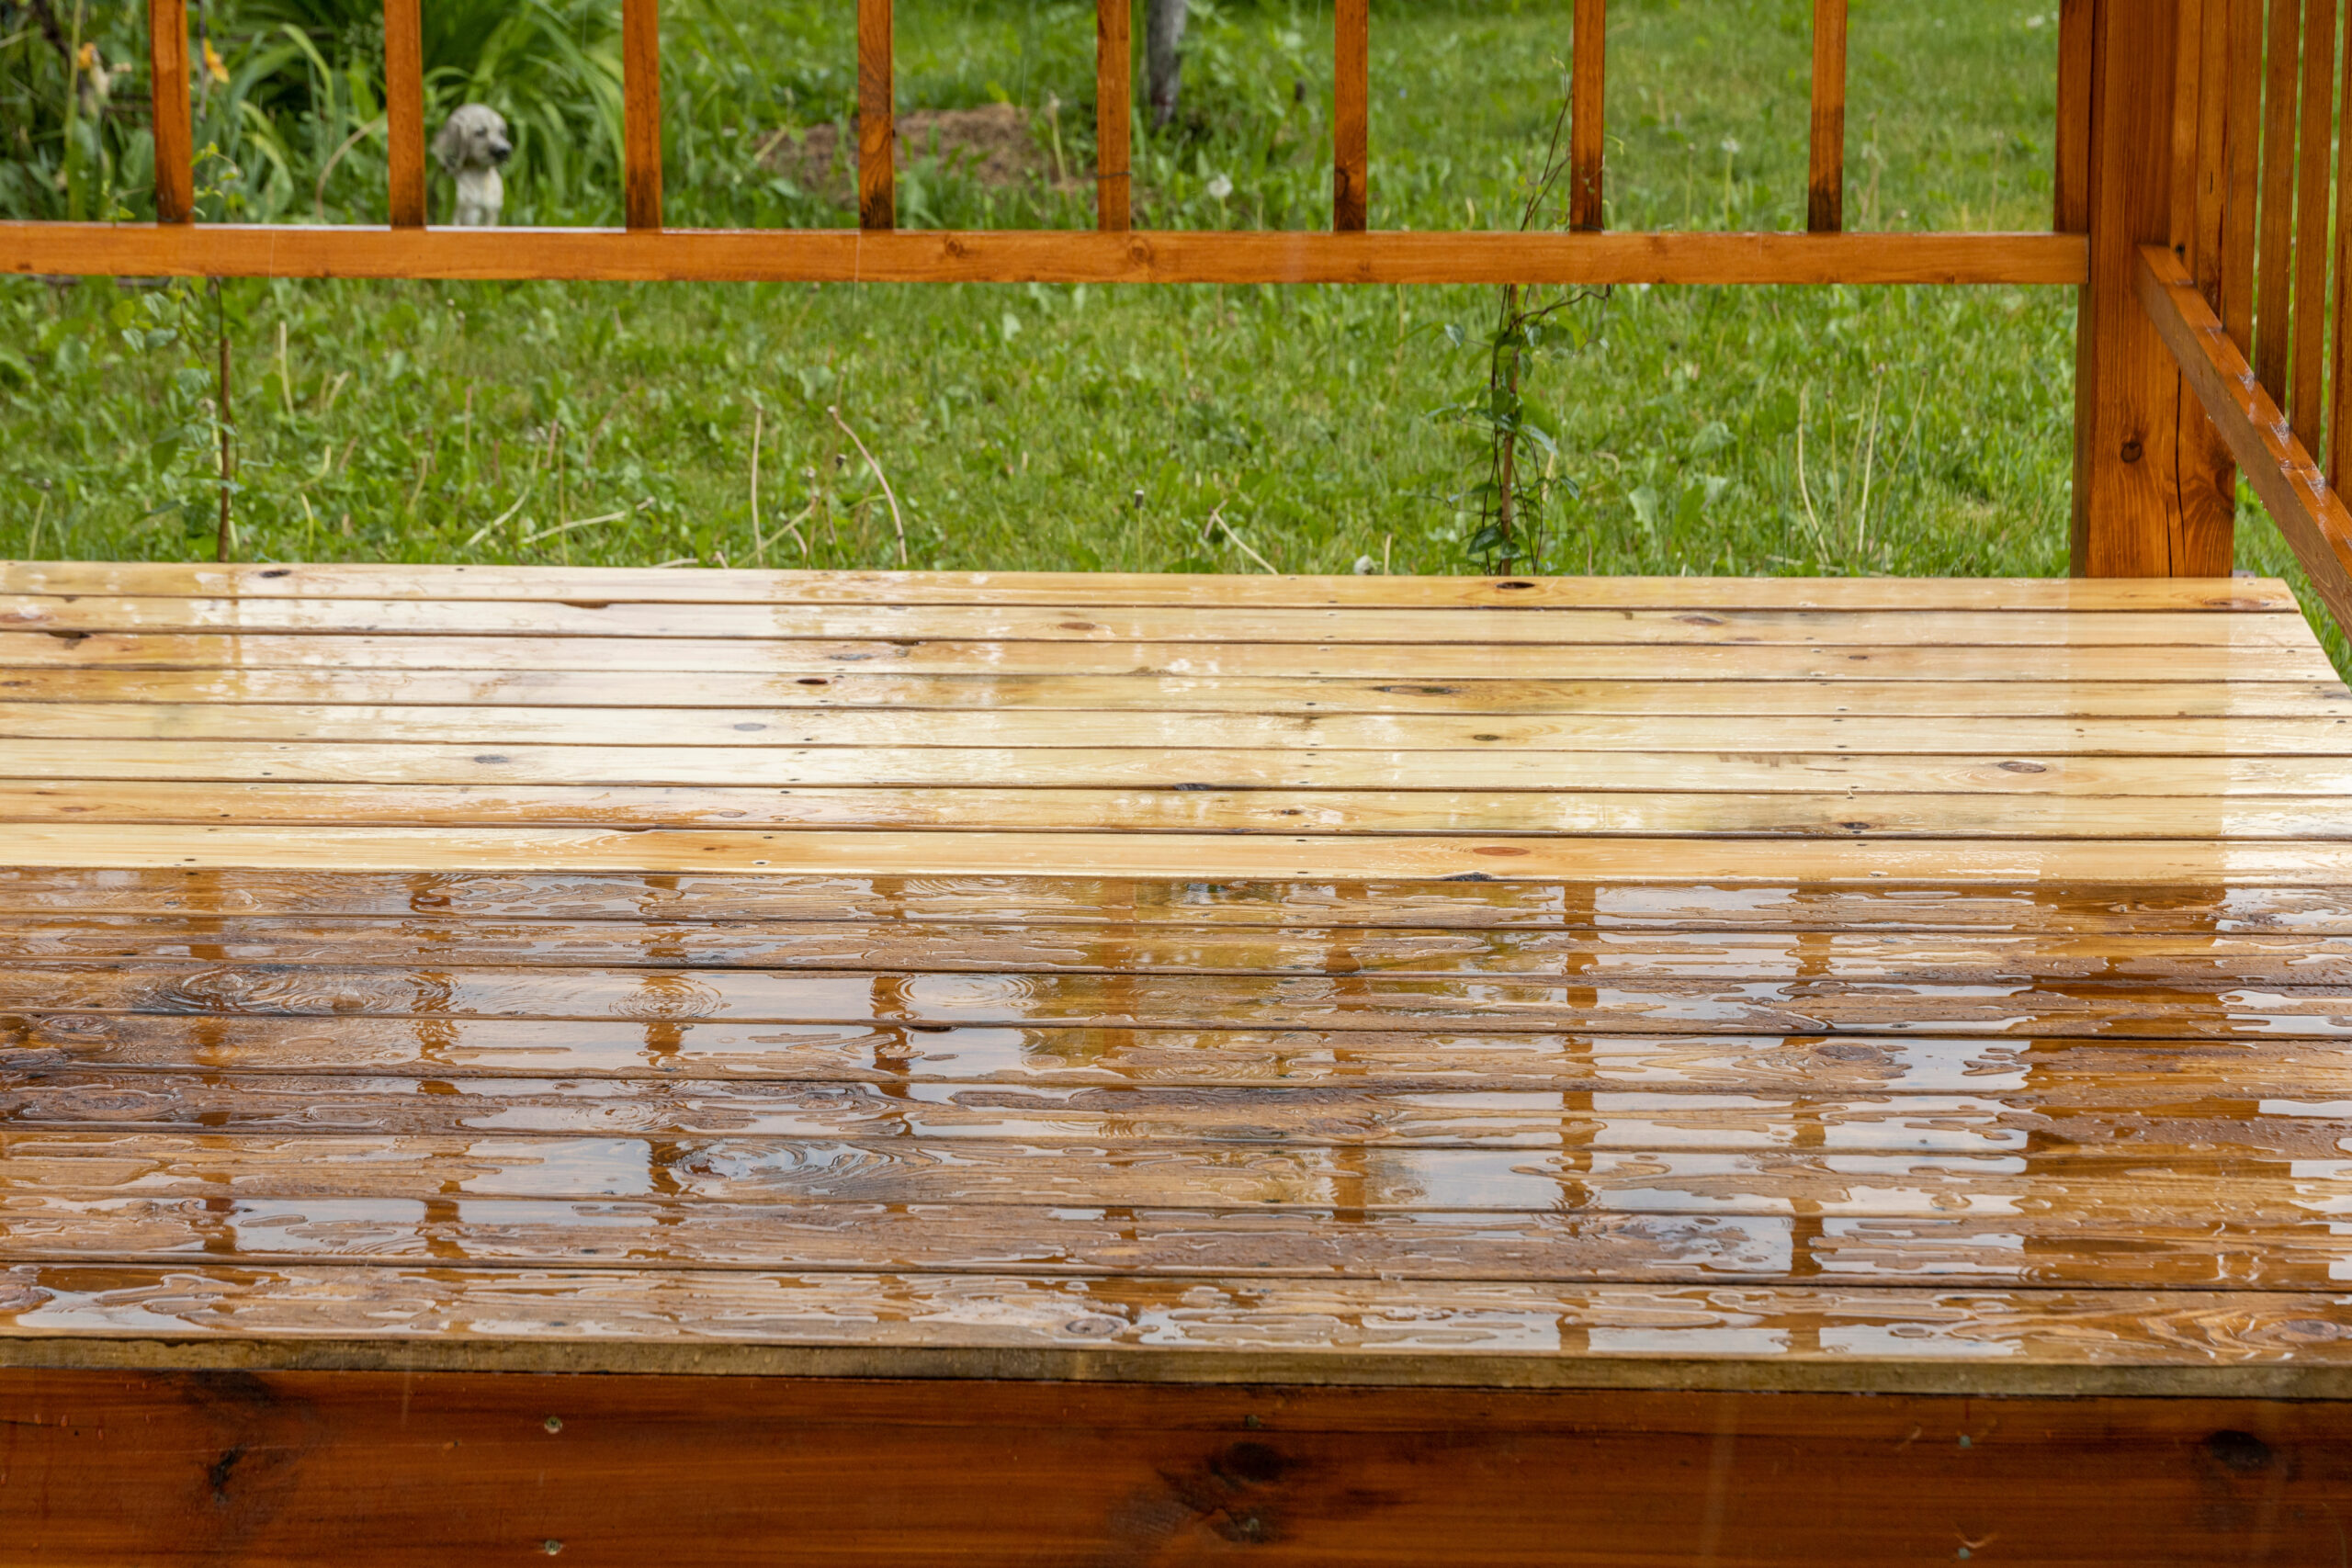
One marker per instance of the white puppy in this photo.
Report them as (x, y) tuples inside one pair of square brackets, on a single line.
[(472, 145)]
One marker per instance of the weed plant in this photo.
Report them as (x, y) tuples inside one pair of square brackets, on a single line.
[(1840, 430)]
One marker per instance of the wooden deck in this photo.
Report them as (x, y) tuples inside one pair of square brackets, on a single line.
[(1916, 989)]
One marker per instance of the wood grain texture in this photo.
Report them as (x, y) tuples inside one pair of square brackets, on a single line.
[(1768, 985), (2070, 177), (1351, 115), (642, 115), (2152, 495), (2165, 863), (874, 255), (1956, 813), (404, 111), (1401, 663), (1113, 115), (2338, 386), (1222, 625), (162, 579), (1589, 117), (174, 142), (2242, 112), (2281, 469), (491, 1466), (2305, 735), (2313, 250), (1301, 695), (1826, 180), (2273, 333), (878, 195)]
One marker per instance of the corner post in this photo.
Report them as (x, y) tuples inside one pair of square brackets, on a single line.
[(2154, 494)]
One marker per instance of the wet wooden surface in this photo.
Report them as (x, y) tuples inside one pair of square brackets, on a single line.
[(392, 1468), (1932, 987)]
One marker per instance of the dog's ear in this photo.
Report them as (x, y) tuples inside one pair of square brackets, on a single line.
[(449, 145)]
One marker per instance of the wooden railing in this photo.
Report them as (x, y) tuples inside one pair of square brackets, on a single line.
[(1349, 252), (2238, 291), (2195, 170)]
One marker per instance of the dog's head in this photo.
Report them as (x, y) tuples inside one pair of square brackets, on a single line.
[(474, 137)]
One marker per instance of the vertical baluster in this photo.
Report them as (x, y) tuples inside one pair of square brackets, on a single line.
[(2072, 209), (641, 113), (1113, 114), (2307, 383), (1825, 211), (878, 192), (1588, 118), (1351, 113), (2212, 195), (2188, 119), (2275, 260), (2340, 416), (174, 140), (2244, 138), (404, 110)]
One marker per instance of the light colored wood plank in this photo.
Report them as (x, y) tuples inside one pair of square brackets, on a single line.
[(1984, 813), (633, 584), (2213, 781), (1182, 857), (1182, 693), (1654, 903), (832, 256), (1289, 1328), (765, 728), (1176, 623), (1772, 1003), (234, 1105), (2189, 958), (1403, 663), (2143, 1251), (1080, 1056), (2093, 1184)]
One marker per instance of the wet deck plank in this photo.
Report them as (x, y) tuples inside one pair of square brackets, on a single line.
[(1689, 983)]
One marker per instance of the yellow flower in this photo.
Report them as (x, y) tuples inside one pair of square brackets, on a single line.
[(214, 65)]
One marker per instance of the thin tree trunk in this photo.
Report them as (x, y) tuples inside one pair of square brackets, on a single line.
[(1164, 57)]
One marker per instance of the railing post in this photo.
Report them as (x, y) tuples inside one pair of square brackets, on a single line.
[(2154, 493), (174, 140)]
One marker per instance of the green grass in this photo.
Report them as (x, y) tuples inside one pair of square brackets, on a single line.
[(1909, 430)]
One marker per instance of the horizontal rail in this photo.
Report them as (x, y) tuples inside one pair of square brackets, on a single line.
[(2282, 470), (837, 255)]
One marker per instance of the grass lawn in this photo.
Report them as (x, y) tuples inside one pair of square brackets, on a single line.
[(1906, 431)]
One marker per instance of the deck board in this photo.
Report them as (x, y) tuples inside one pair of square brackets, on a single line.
[(1673, 983)]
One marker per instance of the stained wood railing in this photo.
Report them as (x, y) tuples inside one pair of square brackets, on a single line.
[(2258, 207), (2199, 199), (1351, 251)]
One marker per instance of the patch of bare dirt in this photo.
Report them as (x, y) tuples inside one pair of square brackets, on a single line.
[(992, 144)]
